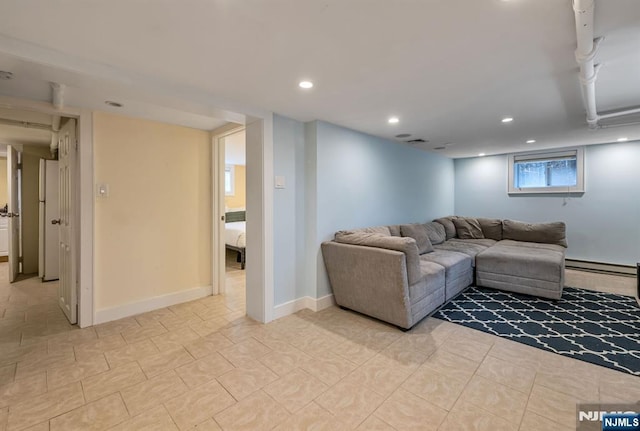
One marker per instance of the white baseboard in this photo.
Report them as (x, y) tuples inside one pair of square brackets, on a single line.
[(131, 309), (296, 305)]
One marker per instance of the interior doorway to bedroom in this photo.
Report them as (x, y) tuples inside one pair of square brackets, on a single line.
[(235, 224)]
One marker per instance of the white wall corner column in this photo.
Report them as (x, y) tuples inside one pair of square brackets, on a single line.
[(260, 275), (86, 221)]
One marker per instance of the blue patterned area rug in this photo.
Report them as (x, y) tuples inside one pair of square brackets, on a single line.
[(601, 328)]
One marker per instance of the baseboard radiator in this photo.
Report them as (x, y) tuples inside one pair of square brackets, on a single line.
[(605, 268)]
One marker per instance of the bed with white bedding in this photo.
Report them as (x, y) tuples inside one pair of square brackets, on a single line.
[(236, 234)]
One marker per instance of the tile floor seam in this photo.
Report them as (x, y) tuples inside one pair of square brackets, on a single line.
[(485, 409)]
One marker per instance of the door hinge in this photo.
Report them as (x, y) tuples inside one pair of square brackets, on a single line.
[(20, 259), (76, 145), (19, 166)]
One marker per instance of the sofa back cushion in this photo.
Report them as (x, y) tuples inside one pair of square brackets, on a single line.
[(491, 228), (435, 231), (547, 233), (395, 230), (449, 227), (419, 233), (468, 228), (382, 230)]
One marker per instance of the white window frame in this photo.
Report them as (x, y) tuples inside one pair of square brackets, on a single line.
[(232, 182), (547, 154)]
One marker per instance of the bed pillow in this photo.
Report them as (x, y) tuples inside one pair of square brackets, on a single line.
[(468, 228), (546, 233), (419, 233)]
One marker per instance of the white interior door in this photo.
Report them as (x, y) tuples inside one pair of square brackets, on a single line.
[(13, 212), (219, 254), (67, 293)]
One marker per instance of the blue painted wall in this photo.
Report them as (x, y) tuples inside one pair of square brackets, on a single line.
[(336, 179), (364, 181), (289, 209), (603, 225)]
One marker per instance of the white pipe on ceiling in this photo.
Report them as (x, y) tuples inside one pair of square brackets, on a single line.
[(55, 123), (57, 96), (619, 113), (585, 54)]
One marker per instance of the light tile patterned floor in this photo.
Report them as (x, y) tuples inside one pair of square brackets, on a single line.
[(204, 366)]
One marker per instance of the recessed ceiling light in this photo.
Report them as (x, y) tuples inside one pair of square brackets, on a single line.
[(507, 119), (623, 139), (394, 120), (305, 84), (481, 154), (5, 75), (531, 141), (112, 103)]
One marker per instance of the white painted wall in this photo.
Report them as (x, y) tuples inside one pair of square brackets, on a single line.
[(339, 179)]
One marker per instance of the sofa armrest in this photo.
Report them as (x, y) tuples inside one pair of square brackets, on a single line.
[(406, 245), (369, 280)]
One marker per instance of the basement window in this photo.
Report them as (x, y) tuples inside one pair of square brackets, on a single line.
[(559, 171)]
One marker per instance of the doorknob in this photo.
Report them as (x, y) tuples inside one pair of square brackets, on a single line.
[(58, 221)]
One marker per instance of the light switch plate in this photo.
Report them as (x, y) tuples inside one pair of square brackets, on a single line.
[(102, 190), (280, 183)]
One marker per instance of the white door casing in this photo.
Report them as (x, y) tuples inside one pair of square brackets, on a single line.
[(13, 212), (67, 147)]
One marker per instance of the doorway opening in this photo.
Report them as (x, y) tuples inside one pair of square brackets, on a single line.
[(235, 224), (37, 238)]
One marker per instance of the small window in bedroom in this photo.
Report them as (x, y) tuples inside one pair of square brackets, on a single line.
[(559, 171), (229, 180)]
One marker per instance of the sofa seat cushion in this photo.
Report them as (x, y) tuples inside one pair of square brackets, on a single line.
[(484, 242), (455, 264), (433, 276), (522, 259), (531, 245), (468, 247)]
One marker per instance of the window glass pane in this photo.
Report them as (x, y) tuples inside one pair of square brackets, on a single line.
[(546, 173), (227, 182), (530, 174), (562, 173)]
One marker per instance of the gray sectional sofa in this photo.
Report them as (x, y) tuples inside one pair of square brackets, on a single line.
[(402, 273)]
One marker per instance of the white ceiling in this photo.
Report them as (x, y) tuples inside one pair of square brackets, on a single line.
[(449, 69)]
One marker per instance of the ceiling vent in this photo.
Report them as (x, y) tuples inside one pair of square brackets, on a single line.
[(5, 75), (417, 141), (440, 148), (403, 135)]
